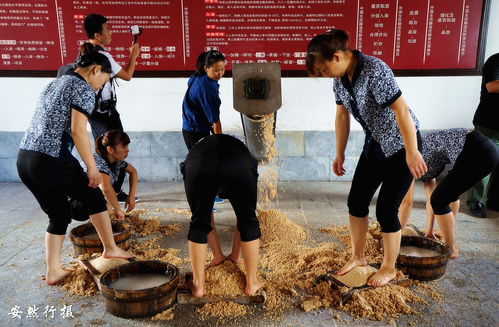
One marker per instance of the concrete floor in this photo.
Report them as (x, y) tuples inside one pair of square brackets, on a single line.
[(470, 287)]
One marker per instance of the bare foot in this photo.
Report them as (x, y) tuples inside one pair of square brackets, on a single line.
[(197, 290), (117, 253), (454, 252), (252, 288), (55, 276), (215, 262), (237, 260), (352, 263), (382, 277), (438, 234)]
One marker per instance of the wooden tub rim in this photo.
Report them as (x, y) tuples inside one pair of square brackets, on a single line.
[(106, 289), (125, 232), (443, 256)]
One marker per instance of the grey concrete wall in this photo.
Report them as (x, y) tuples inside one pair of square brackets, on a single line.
[(302, 155)]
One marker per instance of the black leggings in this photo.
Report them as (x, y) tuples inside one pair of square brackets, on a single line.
[(220, 161), (191, 137), (478, 158), (52, 180), (79, 210), (395, 179)]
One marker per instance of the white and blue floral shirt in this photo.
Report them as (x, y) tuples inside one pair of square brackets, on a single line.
[(441, 147), (368, 98), (50, 128)]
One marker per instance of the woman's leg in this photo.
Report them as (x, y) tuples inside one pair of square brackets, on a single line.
[(429, 187), (45, 178), (466, 172), (251, 255), (239, 177), (447, 226), (53, 247), (235, 254), (197, 255), (396, 181), (358, 232), (102, 224), (387, 271), (365, 181), (214, 243)]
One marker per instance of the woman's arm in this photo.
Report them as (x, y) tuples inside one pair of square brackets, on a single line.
[(127, 73), (414, 159), (82, 144), (217, 127), (133, 180), (342, 130), (110, 194)]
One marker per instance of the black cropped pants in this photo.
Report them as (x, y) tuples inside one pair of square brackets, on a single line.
[(395, 179), (52, 180), (478, 158), (221, 161)]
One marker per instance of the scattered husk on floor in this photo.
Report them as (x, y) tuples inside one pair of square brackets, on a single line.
[(289, 269), (289, 266), (165, 315), (80, 282)]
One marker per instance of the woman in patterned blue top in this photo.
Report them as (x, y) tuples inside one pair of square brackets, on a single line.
[(111, 149), (440, 148), (46, 166), (365, 87)]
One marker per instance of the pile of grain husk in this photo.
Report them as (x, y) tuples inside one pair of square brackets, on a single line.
[(225, 311), (226, 278), (152, 250), (165, 315), (289, 268), (80, 282), (382, 302)]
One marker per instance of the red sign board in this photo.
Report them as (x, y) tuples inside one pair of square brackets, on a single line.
[(41, 35)]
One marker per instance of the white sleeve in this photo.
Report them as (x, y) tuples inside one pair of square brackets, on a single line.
[(115, 67)]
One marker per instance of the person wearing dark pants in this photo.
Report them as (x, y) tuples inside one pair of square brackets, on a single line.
[(486, 121), (49, 170), (364, 86), (440, 148), (478, 158), (200, 118), (221, 160)]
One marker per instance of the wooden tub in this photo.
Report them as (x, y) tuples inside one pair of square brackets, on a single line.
[(424, 268), (82, 244), (143, 302)]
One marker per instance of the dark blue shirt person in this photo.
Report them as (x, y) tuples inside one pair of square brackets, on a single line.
[(201, 105)]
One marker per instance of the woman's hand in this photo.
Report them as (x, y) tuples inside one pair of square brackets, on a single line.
[(94, 178), (429, 234), (130, 203), (338, 162), (416, 164), (119, 214)]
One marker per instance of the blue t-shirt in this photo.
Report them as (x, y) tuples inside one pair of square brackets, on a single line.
[(201, 105)]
